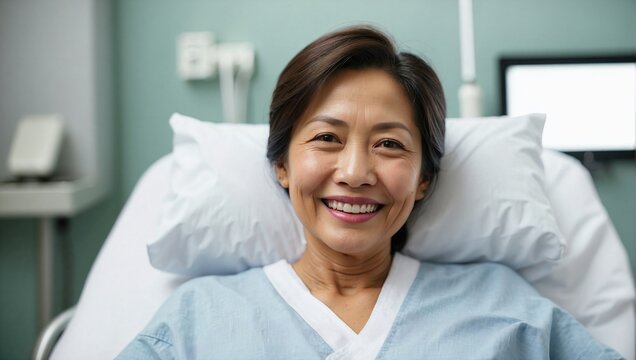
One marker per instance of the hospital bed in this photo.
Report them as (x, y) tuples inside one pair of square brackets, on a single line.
[(123, 290)]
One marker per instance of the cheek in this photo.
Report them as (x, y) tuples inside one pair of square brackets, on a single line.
[(401, 180), (308, 171)]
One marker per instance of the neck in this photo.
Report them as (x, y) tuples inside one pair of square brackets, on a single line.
[(324, 270)]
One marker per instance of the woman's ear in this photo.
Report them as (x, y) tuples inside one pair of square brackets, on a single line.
[(422, 188), (281, 174)]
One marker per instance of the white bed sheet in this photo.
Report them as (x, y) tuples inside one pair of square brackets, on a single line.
[(123, 291), (593, 281)]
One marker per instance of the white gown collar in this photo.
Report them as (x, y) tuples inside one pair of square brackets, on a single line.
[(335, 332)]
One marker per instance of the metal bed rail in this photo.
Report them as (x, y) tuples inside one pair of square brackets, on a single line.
[(51, 334)]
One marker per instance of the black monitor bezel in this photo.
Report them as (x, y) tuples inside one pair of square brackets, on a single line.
[(507, 61)]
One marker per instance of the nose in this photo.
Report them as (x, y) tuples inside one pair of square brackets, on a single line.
[(355, 166)]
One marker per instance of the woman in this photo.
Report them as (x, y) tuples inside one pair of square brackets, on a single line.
[(356, 137)]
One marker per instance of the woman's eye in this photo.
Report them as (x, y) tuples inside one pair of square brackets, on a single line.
[(326, 138), (391, 144)]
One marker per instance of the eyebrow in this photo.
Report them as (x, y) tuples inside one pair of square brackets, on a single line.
[(386, 125)]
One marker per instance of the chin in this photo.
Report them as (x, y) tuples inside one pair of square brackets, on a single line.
[(351, 247)]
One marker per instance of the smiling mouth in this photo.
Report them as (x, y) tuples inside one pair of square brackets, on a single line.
[(352, 208)]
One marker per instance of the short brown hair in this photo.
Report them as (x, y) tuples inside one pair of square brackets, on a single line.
[(359, 47)]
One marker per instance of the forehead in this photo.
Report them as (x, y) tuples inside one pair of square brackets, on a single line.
[(369, 94)]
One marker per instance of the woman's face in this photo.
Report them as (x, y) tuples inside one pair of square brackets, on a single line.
[(353, 167)]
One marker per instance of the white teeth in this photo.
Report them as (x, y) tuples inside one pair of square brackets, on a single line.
[(352, 208)]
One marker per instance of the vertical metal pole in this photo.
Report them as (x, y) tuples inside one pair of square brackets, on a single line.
[(45, 289)]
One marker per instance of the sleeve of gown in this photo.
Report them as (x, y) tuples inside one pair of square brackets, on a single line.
[(156, 340), (164, 336), (569, 340), (147, 347)]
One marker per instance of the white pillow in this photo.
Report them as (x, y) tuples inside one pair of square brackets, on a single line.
[(491, 203), (226, 212)]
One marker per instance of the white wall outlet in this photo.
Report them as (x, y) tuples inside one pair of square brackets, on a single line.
[(195, 56)]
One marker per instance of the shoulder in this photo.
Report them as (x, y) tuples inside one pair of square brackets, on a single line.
[(219, 284), (484, 275), (197, 298), (495, 307), (217, 291), (479, 288), (203, 306), (482, 268)]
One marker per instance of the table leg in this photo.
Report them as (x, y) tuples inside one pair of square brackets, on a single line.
[(46, 240)]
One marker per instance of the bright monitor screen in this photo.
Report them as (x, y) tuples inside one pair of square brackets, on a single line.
[(590, 103)]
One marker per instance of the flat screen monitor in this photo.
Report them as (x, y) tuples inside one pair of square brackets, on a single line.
[(589, 102)]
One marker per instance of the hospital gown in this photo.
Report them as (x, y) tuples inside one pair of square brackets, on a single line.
[(424, 311)]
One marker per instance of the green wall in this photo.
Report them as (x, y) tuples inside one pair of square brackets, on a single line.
[(148, 90)]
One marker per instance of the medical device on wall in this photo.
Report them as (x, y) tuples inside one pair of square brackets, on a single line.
[(590, 101), (469, 92), (36, 146), (199, 58)]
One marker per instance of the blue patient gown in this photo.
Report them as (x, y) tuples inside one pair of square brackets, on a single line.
[(476, 311)]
